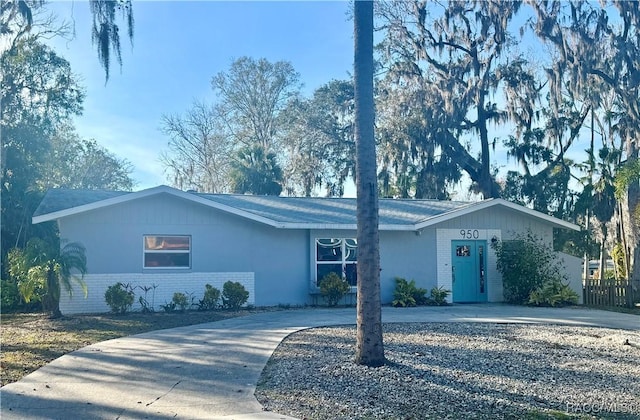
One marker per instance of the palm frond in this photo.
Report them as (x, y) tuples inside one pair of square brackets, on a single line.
[(73, 266)]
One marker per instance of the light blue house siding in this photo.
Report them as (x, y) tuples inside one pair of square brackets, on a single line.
[(407, 255), (282, 260), (508, 221), (402, 254), (220, 243), (269, 243)]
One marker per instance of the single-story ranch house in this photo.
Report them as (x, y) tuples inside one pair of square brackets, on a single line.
[(168, 240)]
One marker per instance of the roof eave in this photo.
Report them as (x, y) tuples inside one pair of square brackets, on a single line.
[(96, 205), (146, 193)]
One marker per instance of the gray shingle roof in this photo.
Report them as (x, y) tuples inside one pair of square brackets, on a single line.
[(341, 211), (63, 198), (291, 210)]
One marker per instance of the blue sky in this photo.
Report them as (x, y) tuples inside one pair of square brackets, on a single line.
[(178, 46)]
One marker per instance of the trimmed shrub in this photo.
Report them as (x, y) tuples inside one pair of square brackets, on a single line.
[(119, 297), (407, 294), (180, 301), (210, 299), (333, 288), (234, 295)]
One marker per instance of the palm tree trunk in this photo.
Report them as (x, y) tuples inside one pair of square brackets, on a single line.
[(369, 346), (53, 293)]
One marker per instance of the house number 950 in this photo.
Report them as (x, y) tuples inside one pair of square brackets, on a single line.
[(470, 233)]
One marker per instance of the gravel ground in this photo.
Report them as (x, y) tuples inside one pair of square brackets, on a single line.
[(457, 371)]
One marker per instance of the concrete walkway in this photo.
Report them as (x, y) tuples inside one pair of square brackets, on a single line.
[(210, 371)]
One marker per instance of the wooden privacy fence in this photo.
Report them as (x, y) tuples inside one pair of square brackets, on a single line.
[(608, 293)]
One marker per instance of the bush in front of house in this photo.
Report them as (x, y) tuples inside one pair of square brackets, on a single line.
[(210, 300), (438, 296), (333, 288), (234, 295), (531, 272), (179, 302), (9, 296), (119, 297), (407, 294), (553, 293), (146, 307)]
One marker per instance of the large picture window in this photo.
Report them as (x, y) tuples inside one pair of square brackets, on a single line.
[(167, 251), (337, 255)]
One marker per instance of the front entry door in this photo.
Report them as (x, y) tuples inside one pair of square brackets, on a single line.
[(468, 269)]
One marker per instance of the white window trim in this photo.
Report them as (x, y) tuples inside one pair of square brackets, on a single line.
[(161, 251)]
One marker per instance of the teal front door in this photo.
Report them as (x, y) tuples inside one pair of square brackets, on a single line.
[(468, 269)]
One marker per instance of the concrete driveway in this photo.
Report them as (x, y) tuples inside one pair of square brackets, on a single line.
[(210, 371)]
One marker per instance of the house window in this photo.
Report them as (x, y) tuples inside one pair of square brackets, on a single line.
[(167, 251), (335, 255)]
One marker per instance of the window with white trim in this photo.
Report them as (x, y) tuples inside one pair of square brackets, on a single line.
[(337, 255), (167, 251)]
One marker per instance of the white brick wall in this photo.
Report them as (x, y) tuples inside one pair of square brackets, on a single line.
[(167, 284), (443, 247)]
